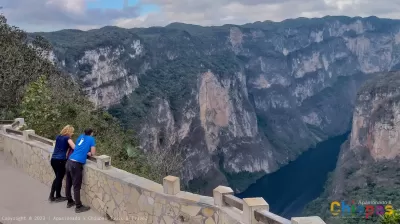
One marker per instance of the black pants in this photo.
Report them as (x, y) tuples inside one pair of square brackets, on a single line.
[(59, 170), (74, 178)]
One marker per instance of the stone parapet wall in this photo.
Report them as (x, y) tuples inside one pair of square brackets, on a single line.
[(1, 142), (127, 198), (117, 194)]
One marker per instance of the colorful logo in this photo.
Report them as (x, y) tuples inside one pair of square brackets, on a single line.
[(363, 208)]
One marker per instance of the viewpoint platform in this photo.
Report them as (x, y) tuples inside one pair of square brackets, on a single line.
[(24, 200)]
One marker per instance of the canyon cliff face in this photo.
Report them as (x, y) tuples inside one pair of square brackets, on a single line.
[(369, 162), (376, 121), (234, 100)]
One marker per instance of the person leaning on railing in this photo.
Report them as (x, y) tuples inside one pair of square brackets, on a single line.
[(58, 160), (85, 146)]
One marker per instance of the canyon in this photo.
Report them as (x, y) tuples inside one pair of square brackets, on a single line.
[(236, 101)]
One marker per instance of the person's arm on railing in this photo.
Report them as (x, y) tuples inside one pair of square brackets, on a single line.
[(92, 148), (92, 151)]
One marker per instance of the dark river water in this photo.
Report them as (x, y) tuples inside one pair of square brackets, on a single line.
[(290, 188)]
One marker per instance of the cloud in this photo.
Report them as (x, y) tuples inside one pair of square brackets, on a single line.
[(59, 14)]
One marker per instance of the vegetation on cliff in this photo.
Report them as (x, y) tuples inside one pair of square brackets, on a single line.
[(168, 61), (391, 219), (33, 88), (19, 65), (359, 176), (173, 81), (358, 185)]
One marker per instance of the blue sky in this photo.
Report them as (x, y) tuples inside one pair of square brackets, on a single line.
[(119, 4), (115, 4), (50, 15)]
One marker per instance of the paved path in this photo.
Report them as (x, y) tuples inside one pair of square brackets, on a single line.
[(22, 197)]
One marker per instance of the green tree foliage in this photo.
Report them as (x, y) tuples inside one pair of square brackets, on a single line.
[(38, 108), (391, 219), (47, 110), (174, 81), (19, 65), (359, 184), (32, 87)]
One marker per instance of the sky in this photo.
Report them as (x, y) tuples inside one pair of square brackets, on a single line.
[(50, 15)]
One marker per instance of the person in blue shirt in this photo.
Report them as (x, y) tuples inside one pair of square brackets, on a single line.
[(58, 160), (85, 146)]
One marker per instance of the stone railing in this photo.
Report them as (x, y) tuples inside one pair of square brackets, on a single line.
[(127, 198), (6, 122)]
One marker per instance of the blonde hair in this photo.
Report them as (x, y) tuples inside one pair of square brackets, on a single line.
[(67, 130)]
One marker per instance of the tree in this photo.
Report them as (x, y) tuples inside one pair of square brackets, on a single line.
[(37, 107), (32, 87), (20, 64), (164, 163)]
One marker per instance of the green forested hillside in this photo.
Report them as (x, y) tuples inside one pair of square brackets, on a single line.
[(31, 87)]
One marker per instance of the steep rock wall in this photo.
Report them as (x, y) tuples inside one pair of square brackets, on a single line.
[(232, 99), (368, 164), (376, 119)]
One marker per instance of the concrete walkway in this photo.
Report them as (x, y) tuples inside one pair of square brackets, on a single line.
[(24, 200)]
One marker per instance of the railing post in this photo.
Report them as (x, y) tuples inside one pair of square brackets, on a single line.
[(26, 134), (250, 205), (218, 194), (307, 220), (171, 185), (6, 127), (103, 162), (21, 121)]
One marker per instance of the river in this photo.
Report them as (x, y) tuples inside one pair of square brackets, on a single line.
[(293, 186)]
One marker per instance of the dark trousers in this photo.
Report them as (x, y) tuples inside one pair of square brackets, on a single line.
[(59, 170), (74, 178)]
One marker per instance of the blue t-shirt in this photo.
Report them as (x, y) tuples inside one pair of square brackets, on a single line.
[(82, 147), (61, 147)]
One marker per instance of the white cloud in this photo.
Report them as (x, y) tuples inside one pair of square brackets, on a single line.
[(70, 6), (59, 14), (36, 15), (219, 12), (132, 22)]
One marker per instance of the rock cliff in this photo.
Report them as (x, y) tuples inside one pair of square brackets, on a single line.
[(376, 119), (368, 165), (234, 100)]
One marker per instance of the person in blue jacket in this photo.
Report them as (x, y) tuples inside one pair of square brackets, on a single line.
[(85, 146), (58, 160)]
